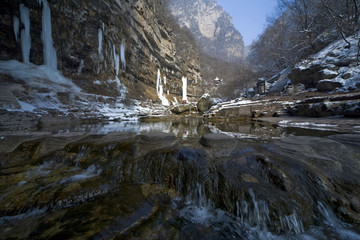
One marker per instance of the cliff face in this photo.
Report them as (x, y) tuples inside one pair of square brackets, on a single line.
[(99, 42), (211, 26)]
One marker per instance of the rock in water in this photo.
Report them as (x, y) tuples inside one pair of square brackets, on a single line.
[(181, 108), (218, 140), (205, 103)]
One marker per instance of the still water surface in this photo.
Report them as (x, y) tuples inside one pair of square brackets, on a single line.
[(126, 180)]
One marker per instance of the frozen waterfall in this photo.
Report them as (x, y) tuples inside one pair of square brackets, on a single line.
[(49, 52), (100, 38), (122, 56), (160, 90), (184, 81), (116, 60), (25, 33)]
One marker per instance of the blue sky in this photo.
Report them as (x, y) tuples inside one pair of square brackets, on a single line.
[(249, 16)]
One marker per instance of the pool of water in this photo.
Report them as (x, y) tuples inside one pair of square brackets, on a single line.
[(179, 179)]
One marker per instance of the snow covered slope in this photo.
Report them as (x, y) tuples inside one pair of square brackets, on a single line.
[(335, 68)]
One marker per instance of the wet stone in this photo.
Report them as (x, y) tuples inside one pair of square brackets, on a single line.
[(217, 140)]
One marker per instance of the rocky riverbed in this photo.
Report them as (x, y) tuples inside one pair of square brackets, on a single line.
[(144, 184)]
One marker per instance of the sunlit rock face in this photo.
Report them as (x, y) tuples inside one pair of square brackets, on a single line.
[(98, 42), (211, 26)]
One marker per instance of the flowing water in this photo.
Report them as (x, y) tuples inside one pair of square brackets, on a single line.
[(179, 180)]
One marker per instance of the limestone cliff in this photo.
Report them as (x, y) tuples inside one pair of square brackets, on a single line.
[(211, 26), (98, 42)]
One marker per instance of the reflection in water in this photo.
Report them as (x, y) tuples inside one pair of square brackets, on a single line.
[(122, 185), (194, 127)]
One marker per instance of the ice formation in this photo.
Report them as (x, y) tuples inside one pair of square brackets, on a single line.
[(122, 56), (79, 71), (116, 60), (16, 27), (100, 38), (50, 58), (160, 90), (184, 81), (37, 76), (25, 33)]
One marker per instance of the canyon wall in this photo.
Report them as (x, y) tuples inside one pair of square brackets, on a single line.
[(103, 46)]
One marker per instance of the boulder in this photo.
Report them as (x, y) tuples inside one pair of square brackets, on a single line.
[(297, 88), (310, 76), (204, 103), (328, 85), (181, 108)]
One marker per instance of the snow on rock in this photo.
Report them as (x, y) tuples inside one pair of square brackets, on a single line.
[(336, 63), (26, 107), (308, 125)]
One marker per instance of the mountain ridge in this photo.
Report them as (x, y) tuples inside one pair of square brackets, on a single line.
[(212, 28)]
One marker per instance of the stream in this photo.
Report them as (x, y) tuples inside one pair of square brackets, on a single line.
[(179, 179)]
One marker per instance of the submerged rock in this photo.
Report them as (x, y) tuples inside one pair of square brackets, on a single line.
[(218, 140)]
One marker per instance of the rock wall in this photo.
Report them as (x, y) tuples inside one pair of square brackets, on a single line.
[(98, 42)]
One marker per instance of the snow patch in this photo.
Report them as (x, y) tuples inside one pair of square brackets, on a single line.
[(308, 125), (26, 106)]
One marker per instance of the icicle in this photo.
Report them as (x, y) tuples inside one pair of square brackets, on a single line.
[(160, 91), (25, 33), (100, 38), (79, 72), (164, 80), (16, 27), (116, 59), (184, 81), (122, 54), (158, 81), (103, 26), (50, 58)]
